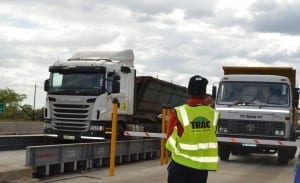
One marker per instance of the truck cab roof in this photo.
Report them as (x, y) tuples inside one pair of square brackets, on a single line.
[(253, 78), (288, 72), (125, 57)]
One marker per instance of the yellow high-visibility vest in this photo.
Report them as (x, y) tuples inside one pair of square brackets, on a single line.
[(197, 147)]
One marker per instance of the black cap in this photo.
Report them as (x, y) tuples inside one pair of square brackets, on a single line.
[(197, 86)]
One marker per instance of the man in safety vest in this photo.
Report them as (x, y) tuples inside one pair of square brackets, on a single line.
[(192, 139)]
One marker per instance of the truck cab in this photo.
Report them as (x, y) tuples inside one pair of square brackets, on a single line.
[(80, 93), (256, 106)]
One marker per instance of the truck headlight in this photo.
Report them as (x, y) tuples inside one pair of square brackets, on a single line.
[(223, 130), (279, 132)]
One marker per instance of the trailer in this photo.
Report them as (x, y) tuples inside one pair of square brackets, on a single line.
[(80, 92), (257, 103)]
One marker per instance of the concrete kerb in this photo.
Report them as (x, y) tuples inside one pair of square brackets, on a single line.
[(16, 173)]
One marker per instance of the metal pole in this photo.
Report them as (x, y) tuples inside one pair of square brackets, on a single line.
[(113, 137), (33, 117)]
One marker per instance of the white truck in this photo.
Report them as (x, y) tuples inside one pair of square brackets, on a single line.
[(257, 103), (80, 92)]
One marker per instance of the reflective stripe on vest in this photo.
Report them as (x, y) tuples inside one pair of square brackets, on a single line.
[(216, 117), (185, 119), (195, 147), (212, 159)]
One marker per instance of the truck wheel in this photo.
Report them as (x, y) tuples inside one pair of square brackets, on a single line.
[(292, 152), (224, 152), (283, 156)]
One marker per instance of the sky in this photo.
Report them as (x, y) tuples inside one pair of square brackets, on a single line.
[(172, 40)]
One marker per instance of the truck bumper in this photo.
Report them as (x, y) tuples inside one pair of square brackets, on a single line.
[(254, 142)]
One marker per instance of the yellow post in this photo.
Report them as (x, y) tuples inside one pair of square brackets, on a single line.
[(168, 112), (113, 138), (163, 141)]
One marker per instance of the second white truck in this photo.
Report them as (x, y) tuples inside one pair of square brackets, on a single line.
[(257, 103)]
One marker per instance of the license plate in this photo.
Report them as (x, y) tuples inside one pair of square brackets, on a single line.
[(249, 145), (68, 137)]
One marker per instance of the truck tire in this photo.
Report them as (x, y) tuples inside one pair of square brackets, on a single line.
[(224, 152), (283, 156), (292, 152)]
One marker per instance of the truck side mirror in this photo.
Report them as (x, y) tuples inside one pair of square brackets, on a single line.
[(125, 69), (296, 97), (46, 85), (214, 92)]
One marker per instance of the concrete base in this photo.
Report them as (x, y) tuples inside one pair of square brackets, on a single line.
[(16, 173)]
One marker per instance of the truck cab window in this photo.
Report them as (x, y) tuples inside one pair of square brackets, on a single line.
[(113, 82), (57, 79), (253, 93), (76, 83)]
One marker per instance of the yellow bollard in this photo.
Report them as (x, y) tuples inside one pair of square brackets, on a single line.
[(168, 113), (113, 138)]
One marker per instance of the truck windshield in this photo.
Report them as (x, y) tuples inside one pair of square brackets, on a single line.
[(253, 93), (90, 83)]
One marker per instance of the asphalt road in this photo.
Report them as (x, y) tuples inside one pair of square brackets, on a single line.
[(248, 169)]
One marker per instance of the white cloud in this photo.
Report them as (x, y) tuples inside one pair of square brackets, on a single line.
[(171, 39)]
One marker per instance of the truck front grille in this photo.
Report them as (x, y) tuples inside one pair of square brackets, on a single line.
[(71, 117), (251, 128)]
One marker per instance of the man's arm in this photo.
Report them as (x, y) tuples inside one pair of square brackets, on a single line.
[(173, 122)]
